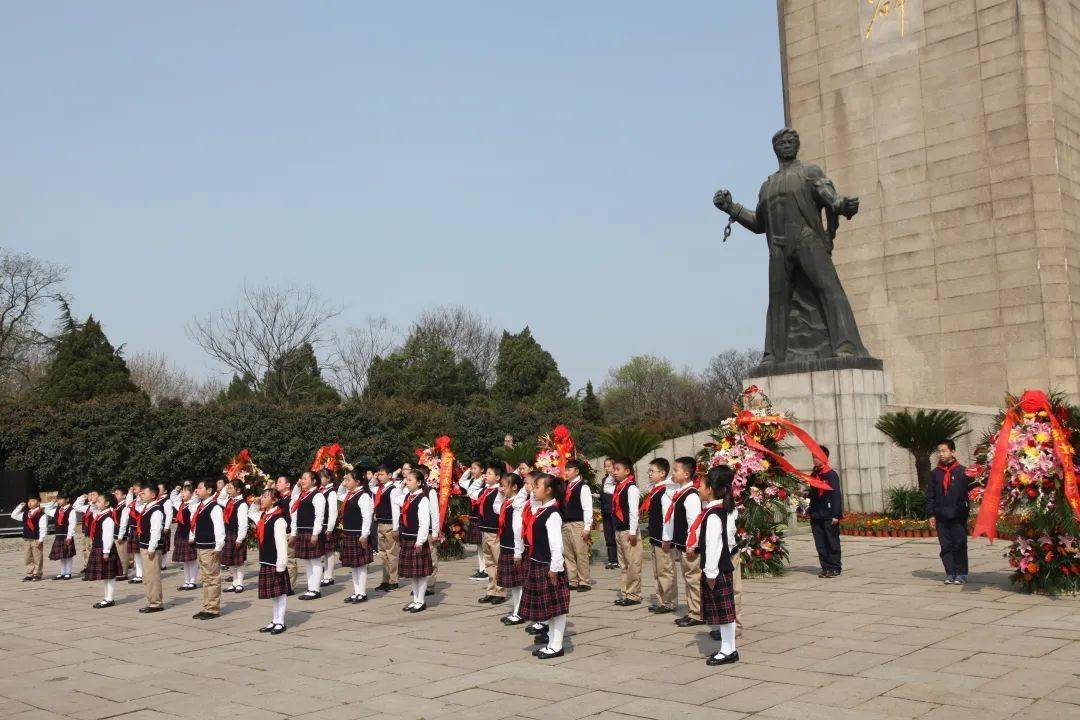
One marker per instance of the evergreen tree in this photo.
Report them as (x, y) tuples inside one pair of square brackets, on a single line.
[(295, 379), (424, 369), (239, 390), (84, 364), (525, 371), (590, 406)]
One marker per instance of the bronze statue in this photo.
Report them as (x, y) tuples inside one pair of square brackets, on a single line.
[(809, 315)]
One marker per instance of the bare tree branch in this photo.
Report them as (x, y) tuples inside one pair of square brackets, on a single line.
[(267, 323), (356, 349), (468, 334), (27, 286)]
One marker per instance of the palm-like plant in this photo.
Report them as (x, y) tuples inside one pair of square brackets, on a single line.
[(514, 456), (631, 443), (920, 432)]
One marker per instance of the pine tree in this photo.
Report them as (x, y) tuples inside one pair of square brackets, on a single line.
[(526, 371), (590, 406), (295, 379), (239, 390), (84, 364), (424, 369)]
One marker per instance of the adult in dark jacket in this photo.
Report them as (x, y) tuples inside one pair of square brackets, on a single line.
[(826, 508), (947, 507)]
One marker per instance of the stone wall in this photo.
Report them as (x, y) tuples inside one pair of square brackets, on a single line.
[(960, 137)]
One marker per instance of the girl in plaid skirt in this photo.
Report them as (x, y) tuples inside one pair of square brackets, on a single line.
[(415, 559), (357, 536), (272, 530), (331, 534), (183, 551), (63, 547), (512, 567), (235, 516), (713, 536), (308, 511), (103, 563), (471, 479), (546, 596)]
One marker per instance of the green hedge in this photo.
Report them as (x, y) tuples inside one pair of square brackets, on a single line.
[(116, 440)]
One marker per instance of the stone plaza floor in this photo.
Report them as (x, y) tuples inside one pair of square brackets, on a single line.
[(886, 640)]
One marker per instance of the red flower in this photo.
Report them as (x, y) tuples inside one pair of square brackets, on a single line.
[(751, 390), (768, 555), (782, 494), (1032, 493)]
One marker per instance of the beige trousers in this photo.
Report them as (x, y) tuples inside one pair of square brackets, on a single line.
[(210, 578), (34, 557), (736, 582), (290, 563), (630, 558), (434, 547), (85, 549), (667, 589), (576, 554), (120, 548), (151, 577), (490, 545), (388, 553), (691, 572)]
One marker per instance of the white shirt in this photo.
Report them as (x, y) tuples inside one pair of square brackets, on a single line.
[(157, 521), (242, 513), (43, 524), (433, 508), (608, 485), (666, 497), (52, 508), (332, 499), (554, 534), (714, 545), (692, 505), (80, 507), (169, 510), (281, 545), (633, 499), (518, 522), (424, 514), (586, 502), (125, 520), (108, 530)]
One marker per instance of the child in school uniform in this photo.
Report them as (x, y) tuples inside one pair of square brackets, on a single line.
[(625, 500), (82, 507), (122, 516), (414, 560), (234, 513), (655, 509), (684, 509), (208, 537), (358, 536), (471, 482), (387, 501), (104, 562), (166, 530), (330, 526), (308, 513), (135, 512), (272, 531), (576, 507), (63, 546), (147, 532), (546, 594), (184, 501), (528, 512), (431, 486), (488, 501), (512, 567), (713, 537), (34, 527)]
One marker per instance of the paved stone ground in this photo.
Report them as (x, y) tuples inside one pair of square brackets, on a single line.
[(886, 640)]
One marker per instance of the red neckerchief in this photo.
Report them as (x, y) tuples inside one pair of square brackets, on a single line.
[(180, 521), (31, 519), (660, 487), (230, 507), (349, 496), (61, 516), (527, 518), (691, 535), (407, 503), (479, 502), (675, 498), (261, 527), (528, 528), (93, 521), (378, 495), (617, 497), (138, 520), (133, 513), (86, 518), (198, 511), (818, 472), (507, 505), (570, 487), (947, 468), (299, 499)]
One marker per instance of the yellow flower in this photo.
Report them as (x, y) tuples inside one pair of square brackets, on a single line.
[(765, 464), (1042, 437)]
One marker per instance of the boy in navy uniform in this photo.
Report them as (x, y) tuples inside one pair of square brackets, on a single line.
[(947, 506), (826, 508)]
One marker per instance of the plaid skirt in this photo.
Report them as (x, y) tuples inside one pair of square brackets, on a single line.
[(331, 541), (272, 583), (231, 555), (165, 545), (508, 574), (61, 548), (718, 606), (304, 550), (99, 567), (475, 535), (353, 554), (182, 551), (539, 600), (133, 542), (414, 562)]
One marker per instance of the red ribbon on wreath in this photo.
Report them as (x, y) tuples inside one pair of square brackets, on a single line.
[(564, 446), (749, 422), (1032, 401)]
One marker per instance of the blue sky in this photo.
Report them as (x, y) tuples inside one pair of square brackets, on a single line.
[(549, 165)]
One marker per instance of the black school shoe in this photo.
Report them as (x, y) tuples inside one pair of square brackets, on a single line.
[(660, 609), (327, 583), (723, 659), (584, 588), (544, 654), (104, 604), (150, 609), (278, 629), (687, 621), (485, 599), (537, 629), (204, 616), (311, 595), (624, 602), (418, 608), (497, 600)]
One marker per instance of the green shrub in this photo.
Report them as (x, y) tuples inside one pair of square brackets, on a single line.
[(907, 503)]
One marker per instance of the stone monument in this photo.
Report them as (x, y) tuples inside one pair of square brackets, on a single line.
[(815, 365)]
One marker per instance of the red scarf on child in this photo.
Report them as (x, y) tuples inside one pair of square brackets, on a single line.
[(616, 498)]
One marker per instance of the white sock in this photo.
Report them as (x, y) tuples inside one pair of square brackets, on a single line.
[(359, 580), (138, 564), (421, 590), (515, 598), (480, 557), (110, 587), (316, 571), (70, 563), (330, 564), (309, 574), (556, 628), (279, 610), (727, 638), (238, 575), (189, 572)]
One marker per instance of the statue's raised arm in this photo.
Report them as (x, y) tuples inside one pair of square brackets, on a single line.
[(749, 220)]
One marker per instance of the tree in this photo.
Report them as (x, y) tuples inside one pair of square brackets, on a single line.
[(356, 350), (161, 380), (725, 377), (920, 433), (27, 286), (469, 335), (267, 324), (590, 406), (627, 442), (527, 371), (240, 389), (424, 369), (84, 364), (300, 369)]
